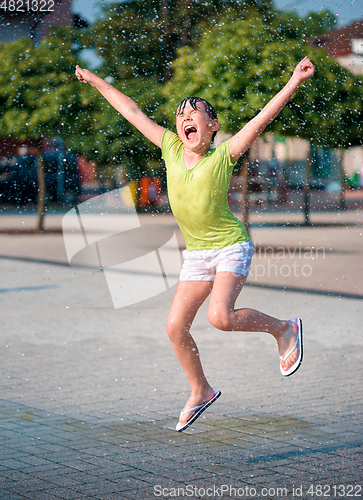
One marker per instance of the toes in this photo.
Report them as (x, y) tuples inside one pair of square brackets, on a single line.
[(187, 416), (290, 360)]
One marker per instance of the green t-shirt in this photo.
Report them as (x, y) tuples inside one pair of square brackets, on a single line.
[(198, 197)]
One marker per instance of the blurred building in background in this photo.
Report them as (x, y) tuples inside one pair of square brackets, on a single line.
[(345, 44)]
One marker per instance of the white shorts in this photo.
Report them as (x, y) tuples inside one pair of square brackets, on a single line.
[(203, 265)]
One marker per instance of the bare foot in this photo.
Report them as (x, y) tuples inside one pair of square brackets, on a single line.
[(286, 342), (195, 400)]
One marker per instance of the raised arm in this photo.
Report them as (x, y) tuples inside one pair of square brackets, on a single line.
[(240, 142), (124, 105)]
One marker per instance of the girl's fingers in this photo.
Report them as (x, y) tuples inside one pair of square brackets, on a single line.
[(306, 65), (79, 75)]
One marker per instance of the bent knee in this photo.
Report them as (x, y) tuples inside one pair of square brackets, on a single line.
[(174, 330), (221, 320), (171, 330)]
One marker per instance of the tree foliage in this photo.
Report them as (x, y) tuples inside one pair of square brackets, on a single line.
[(129, 41), (239, 66), (291, 26), (139, 38), (40, 96), (105, 136), (235, 54), (37, 88)]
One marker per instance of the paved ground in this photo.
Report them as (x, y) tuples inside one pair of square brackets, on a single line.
[(91, 394)]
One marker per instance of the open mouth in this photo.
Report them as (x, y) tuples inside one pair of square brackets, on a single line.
[(190, 132)]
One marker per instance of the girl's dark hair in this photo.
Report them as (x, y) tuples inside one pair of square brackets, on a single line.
[(193, 101)]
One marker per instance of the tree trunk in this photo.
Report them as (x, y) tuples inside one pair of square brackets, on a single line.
[(307, 186), (186, 24), (341, 179), (41, 189), (166, 36), (244, 190)]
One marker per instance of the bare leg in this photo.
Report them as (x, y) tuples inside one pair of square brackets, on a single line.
[(227, 286), (189, 296)]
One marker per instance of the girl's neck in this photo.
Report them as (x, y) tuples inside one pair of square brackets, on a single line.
[(191, 158)]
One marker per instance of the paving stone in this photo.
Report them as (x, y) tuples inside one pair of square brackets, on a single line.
[(64, 493), (98, 438), (10, 495)]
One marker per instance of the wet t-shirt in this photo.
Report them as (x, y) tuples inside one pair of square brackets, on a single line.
[(198, 197)]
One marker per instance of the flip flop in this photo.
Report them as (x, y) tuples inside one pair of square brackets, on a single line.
[(198, 411), (299, 344)]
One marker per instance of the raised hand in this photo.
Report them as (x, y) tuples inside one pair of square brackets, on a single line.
[(304, 70), (85, 76)]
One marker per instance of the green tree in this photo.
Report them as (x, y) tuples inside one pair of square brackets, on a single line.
[(105, 136), (291, 25), (41, 97), (139, 38), (238, 66), (37, 94), (102, 134), (128, 38)]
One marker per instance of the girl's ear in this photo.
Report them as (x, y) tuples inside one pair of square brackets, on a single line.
[(215, 125)]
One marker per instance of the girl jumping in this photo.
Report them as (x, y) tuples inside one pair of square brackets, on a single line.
[(218, 251)]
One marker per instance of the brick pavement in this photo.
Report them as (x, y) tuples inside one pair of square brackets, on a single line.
[(91, 395)]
